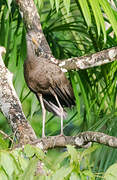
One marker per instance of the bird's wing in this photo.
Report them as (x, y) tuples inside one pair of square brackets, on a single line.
[(61, 86)]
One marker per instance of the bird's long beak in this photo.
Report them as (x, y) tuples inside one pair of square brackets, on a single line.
[(34, 41)]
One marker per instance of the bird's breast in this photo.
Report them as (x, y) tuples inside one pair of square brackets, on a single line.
[(36, 77)]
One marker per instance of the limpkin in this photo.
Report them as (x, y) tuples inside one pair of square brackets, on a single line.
[(48, 82)]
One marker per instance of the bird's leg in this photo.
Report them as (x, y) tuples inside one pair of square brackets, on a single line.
[(43, 114), (61, 109)]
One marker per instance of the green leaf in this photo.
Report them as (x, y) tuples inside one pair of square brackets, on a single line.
[(73, 153), (86, 11), (84, 94), (61, 173), (89, 150), (9, 3), (74, 176), (57, 2), (98, 17), (3, 143), (23, 162), (67, 5), (39, 153), (109, 12), (83, 177), (102, 103), (58, 161), (3, 176), (7, 163), (75, 89), (2, 28), (34, 104), (40, 3), (19, 79), (88, 173), (29, 150), (111, 173), (30, 170), (94, 5), (43, 178), (52, 3)]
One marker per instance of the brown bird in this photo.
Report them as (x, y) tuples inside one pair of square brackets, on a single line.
[(48, 82)]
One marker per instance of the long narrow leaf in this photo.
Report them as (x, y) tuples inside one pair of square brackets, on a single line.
[(57, 3), (109, 12), (67, 5), (86, 11), (84, 95), (98, 17)]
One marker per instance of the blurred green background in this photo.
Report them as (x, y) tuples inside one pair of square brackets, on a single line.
[(71, 29)]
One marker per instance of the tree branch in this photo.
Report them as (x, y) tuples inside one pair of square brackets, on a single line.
[(83, 139), (97, 59), (11, 106)]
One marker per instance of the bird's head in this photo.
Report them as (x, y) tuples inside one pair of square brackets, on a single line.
[(31, 36)]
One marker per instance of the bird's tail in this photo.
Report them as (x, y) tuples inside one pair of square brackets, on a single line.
[(54, 109)]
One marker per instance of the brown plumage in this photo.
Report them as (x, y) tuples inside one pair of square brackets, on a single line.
[(49, 83)]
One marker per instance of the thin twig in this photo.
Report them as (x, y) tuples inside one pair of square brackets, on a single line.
[(6, 136)]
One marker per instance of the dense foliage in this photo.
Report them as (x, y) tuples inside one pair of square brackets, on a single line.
[(72, 29), (69, 165)]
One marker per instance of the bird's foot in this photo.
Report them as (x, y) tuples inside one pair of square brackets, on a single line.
[(43, 135), (62, 134)]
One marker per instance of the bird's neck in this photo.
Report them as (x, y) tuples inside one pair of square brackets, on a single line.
[(30, 52)]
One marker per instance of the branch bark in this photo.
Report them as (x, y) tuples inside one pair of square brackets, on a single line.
[(83, 139), (11, 106), (97, 59)]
